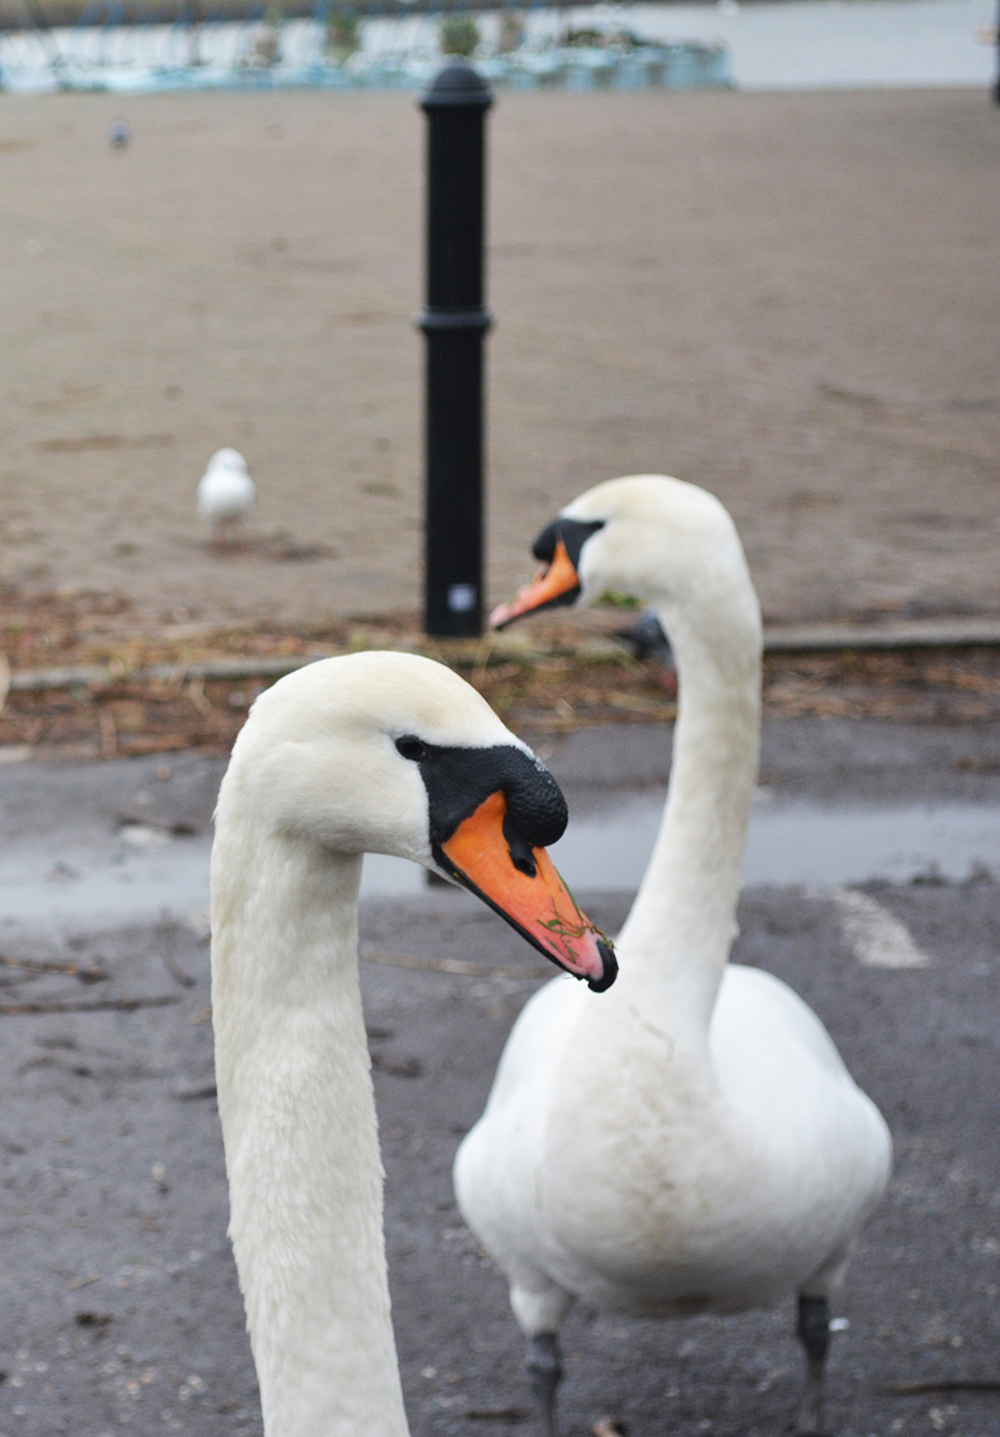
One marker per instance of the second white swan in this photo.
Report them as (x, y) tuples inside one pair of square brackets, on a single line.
[(693, 1142)]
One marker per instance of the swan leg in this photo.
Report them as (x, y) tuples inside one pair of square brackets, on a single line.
[(814, 1333), (545, 1370)]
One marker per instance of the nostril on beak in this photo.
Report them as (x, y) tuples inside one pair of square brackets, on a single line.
[(519, 848)]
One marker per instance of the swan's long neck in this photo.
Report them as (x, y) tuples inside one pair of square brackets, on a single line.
[(299, 1124), (683, 920)]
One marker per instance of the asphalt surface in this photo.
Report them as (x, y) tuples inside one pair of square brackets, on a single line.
[(119, 1297)]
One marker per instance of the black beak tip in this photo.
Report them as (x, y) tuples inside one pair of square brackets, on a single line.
[(609, 964)]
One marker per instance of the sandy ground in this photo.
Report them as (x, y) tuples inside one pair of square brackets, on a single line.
[(791, 299)]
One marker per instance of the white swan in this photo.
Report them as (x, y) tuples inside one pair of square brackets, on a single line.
[(226, 495), (693, 1142), (372, 753)]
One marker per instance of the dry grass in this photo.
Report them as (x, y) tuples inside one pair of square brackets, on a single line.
[(563, 681)]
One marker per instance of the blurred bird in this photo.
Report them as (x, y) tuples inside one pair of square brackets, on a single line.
[(119, 134), (226, 494), (649, 644)]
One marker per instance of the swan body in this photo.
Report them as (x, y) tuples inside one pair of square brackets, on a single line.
[(691, 1198), (716, 1154), (226, 493), (371, 753)]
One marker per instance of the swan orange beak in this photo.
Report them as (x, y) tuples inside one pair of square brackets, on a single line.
[(522, 885), (551, 585)]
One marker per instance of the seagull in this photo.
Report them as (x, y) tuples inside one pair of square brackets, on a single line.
[(226, 494), (119, 134)]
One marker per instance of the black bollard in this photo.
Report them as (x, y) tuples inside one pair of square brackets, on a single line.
[(455, 322)]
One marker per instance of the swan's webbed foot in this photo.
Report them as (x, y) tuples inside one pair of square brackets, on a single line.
[(814, 1333), (545, 1372)]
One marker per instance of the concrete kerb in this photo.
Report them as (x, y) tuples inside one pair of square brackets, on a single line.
[(502, 648)]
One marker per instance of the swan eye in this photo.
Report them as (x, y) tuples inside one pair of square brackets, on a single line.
[(411, 747)]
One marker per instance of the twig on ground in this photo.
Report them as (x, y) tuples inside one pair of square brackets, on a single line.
[(482, 658), (93, 974), (498, 1414), (443, 965), (944, 1384), (88, 1005), (407, 1068), (109, 733), (166, 931), (196, 694), (79, 1282)]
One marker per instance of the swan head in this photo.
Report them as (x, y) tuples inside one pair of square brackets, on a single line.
[(654, 538), (393, 753)]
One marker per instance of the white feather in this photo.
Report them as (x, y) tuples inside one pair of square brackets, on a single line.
[(689, 1141)]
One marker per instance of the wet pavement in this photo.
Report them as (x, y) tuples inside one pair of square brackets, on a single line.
[(120, 1304), (838, 802)]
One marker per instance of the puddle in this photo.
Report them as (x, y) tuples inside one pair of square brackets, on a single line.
[(134, 879), (55, 890), (42, 889), (797, 842), (804, 843)]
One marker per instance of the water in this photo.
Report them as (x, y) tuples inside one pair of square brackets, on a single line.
[(806, 45), (802, 844), (882, 43), (789, 843), (142, 874), (48, 888), (799, 843)]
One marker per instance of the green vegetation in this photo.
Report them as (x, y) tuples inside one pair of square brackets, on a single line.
[(459, 35), (343, 34), (590, 39)]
